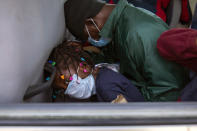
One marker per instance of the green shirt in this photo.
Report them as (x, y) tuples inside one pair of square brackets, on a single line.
[(135, 32)]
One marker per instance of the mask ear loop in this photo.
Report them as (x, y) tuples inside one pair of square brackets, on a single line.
[(92, 71), (95, 25), (78, 82), (87, 31), (73, 66)]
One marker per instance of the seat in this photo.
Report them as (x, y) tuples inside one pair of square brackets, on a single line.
[(29, 31)]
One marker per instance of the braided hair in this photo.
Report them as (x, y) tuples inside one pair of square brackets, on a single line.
[(70, 55)]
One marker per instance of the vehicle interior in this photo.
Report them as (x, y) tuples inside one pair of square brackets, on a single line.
[(29, 32)]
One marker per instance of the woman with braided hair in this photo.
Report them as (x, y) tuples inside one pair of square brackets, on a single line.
[(80, 78)]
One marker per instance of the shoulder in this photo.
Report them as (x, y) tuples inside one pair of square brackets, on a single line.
[(105, 72), (107, 76)]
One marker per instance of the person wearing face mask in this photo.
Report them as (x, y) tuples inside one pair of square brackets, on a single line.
[(81, 79), (132, 33)]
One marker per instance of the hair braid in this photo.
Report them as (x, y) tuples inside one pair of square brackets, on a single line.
[(69, 54)]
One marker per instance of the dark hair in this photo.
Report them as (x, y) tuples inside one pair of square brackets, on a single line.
[(70, 55), (65, 55)]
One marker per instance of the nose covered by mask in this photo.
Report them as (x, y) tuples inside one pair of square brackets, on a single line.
[(81, 88), (101, 42)]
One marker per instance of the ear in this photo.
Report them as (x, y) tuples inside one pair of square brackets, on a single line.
[(84, 70), (83, 67), (88, 22), (81, 72)]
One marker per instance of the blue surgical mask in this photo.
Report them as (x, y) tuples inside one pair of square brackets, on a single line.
[(81, 88), (99, 43)]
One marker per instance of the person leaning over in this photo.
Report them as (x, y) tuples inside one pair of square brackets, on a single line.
[(133, 33)]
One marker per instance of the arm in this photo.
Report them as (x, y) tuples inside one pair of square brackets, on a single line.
[(110, 84)]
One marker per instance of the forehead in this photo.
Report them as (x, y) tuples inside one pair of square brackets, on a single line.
[(66, 63), (67, 70)]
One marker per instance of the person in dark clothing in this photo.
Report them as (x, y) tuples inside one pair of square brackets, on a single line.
[(162, 8), (194, 19), (146, 4), (189, 93), (110, 84), (79, 77)]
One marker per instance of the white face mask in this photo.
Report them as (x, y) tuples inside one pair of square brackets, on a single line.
[(81, 88)]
